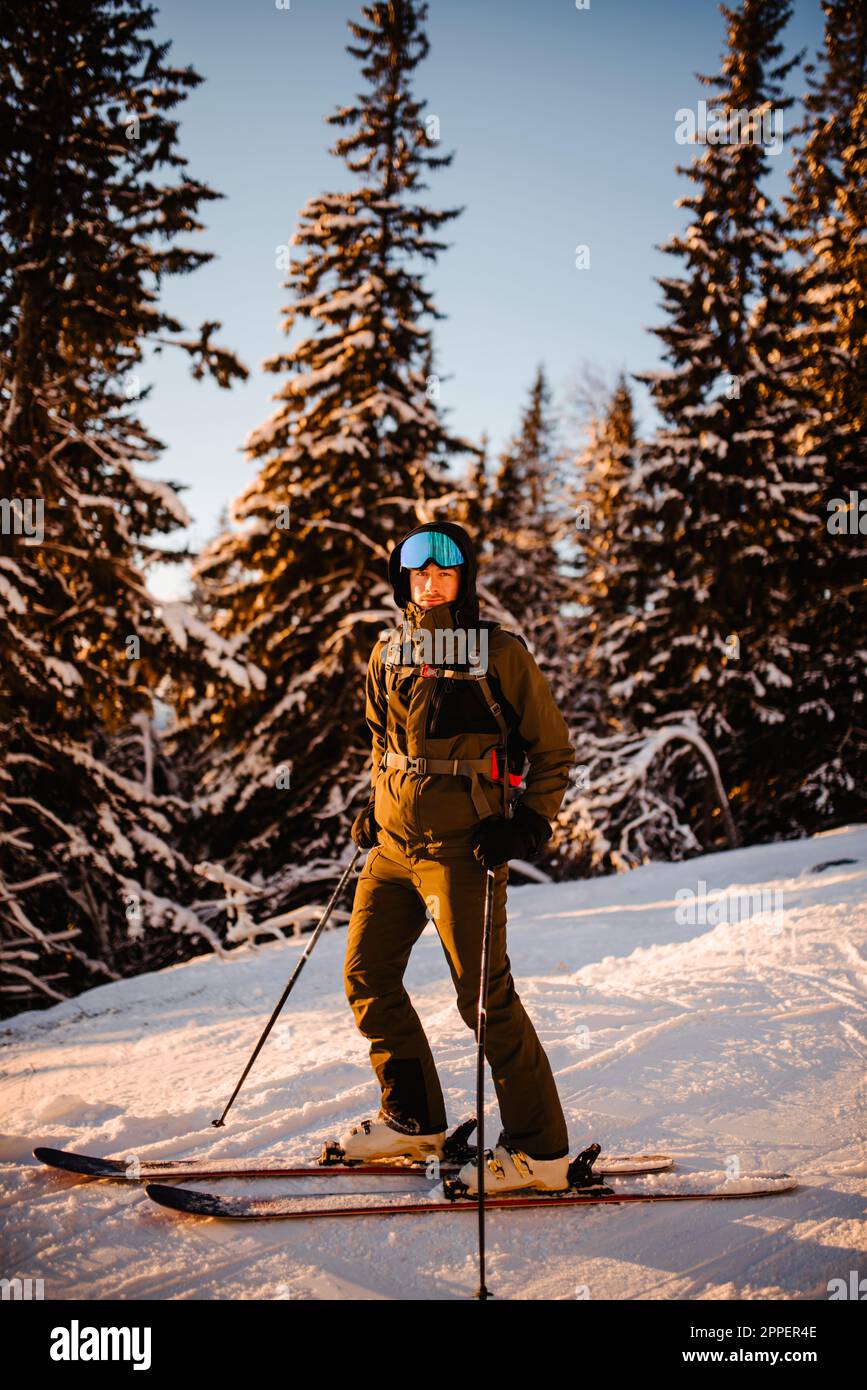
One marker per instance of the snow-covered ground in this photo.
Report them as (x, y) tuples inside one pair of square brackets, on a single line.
[(724, 1042)]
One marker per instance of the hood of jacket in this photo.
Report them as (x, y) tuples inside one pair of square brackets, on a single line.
[(464, 609)]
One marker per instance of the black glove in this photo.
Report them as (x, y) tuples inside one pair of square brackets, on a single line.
[(496, 839), (365, 829)]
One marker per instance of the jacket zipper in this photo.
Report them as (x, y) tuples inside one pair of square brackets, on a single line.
[(434, 710), (422, 754)]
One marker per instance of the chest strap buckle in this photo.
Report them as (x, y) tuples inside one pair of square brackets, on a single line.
[(418, 766)]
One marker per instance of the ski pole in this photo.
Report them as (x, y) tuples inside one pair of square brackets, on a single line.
[(314, 937), (480, 1075)]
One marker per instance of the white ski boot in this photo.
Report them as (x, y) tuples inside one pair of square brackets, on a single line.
[(508, 1168), (373, 1139)]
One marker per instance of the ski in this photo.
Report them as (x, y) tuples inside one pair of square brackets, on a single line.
[(457, 1152), (151, 1170), (193, 1203)]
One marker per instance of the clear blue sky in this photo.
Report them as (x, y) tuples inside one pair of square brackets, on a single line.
[(563, 129)]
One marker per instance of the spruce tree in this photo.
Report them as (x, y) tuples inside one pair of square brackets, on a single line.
[(354, 454), (828, 234), (521, 570), (593, 545), (472, 504), (605, 469), (628, 789), (722, 509), (93, 198)]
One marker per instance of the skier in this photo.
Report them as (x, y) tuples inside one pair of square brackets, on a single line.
[(437, 819)]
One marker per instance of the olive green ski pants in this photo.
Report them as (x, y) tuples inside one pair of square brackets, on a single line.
[(396, 894)]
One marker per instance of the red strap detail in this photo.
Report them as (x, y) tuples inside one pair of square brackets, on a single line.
[(515, 779)]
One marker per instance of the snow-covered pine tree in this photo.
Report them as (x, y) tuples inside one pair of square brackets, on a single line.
[(722, 522), (91, 885), (521, 572), (628, 790), (828, 233), (605, 467), (354, 454), (471, 510)]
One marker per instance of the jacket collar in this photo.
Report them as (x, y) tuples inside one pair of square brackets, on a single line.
[(440, 615)]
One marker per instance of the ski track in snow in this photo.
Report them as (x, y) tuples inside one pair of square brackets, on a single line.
[(737, 1043)]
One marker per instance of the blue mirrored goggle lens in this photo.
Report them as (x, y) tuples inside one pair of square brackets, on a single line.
[(430, 545)]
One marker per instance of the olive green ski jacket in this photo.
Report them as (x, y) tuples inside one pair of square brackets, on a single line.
[(416, 712)]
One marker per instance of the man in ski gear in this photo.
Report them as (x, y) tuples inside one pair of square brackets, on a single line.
[(452, 721)]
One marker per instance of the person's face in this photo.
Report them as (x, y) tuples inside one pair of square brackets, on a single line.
[(433, 585)]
